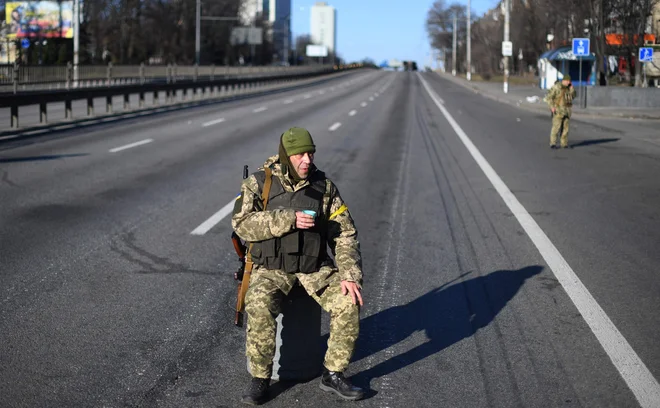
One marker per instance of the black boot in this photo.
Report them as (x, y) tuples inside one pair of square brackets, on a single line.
[(337, 383), (256, 391)]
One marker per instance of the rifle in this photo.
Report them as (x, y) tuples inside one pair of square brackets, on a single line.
[(245, 269)]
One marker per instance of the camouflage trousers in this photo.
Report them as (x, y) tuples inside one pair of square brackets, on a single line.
[(560, 122), (262, 304)]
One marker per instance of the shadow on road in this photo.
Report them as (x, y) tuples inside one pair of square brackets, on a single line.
[(40, 158), (447, 315), (594, 142)]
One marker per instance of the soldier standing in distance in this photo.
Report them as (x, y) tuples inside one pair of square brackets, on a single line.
[(290, 247), (560, 98)]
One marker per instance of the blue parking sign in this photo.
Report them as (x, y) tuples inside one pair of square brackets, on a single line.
[(646, 54), (25, 43), (580, 47)]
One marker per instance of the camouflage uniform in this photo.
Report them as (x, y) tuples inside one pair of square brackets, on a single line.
[(267, 287), (561, 98)]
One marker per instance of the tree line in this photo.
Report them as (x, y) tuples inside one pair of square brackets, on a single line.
[(532, 23), (156, 32)]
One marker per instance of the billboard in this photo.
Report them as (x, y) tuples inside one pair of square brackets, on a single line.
[(246, 35), (39, 19), (317, 51)]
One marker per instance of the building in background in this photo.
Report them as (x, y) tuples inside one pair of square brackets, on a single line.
[(278, 15), (655, 23), (323, 26)]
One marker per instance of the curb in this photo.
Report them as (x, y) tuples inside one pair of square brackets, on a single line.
[(538, 108)]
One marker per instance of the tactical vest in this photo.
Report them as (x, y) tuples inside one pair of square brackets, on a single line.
[(300, 250), (565, 97)]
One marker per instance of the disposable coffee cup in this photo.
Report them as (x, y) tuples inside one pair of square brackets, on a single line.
[(310, 212)]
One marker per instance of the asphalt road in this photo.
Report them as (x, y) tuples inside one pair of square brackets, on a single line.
[(545, 296)]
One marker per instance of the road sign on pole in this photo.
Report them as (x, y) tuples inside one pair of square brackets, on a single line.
[(580, 47), (646, 54), (25, 43), (507, 48)]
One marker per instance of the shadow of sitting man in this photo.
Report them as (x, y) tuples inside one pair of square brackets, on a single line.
[(447, 315)]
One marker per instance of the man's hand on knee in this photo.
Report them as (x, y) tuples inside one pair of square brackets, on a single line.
[(353, 289)]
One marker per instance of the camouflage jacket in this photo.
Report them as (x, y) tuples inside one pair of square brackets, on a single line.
[(251, 224), (561, 98)]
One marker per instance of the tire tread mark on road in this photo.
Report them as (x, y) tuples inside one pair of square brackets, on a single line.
[(158, 264), (389, 281), (459, 230), (442, 169), (499, 247), (195, 355)]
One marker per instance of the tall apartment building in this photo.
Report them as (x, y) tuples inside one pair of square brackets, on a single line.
[(323, 25)]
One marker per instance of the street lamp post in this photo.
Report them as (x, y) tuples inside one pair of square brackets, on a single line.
[(76, 38), (453, 51), (198, 17), (469, 44), (506, 38)]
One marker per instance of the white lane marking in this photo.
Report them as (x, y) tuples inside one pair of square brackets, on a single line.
[(376, 94), (632, 369), (128, 146), (332, 89), (363, 104), (352, 113), (334, 127), (321, 92), (261, 109), (288, 101), (213, 122), (371, 98), (215, 218), (307, 96)]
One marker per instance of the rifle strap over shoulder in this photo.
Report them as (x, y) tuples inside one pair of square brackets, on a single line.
[(264, 199), (267, 184)]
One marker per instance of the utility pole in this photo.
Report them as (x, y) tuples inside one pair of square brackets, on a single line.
[(453, 52), (254, 22), (76, 39), (506, 38), (469, 44), (198, 18)]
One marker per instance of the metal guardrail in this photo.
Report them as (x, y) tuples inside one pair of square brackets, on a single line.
[(201, 89), (19, 78)]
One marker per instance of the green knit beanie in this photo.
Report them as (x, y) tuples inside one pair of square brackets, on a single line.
[(297, 140)]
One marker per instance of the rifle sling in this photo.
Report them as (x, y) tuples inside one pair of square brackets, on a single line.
[(264, 199), (248, 257)]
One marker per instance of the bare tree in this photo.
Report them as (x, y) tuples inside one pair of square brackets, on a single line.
[(135, 31), (440, 27)]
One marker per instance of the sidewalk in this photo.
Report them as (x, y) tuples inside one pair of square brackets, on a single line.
[(530, 97)]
